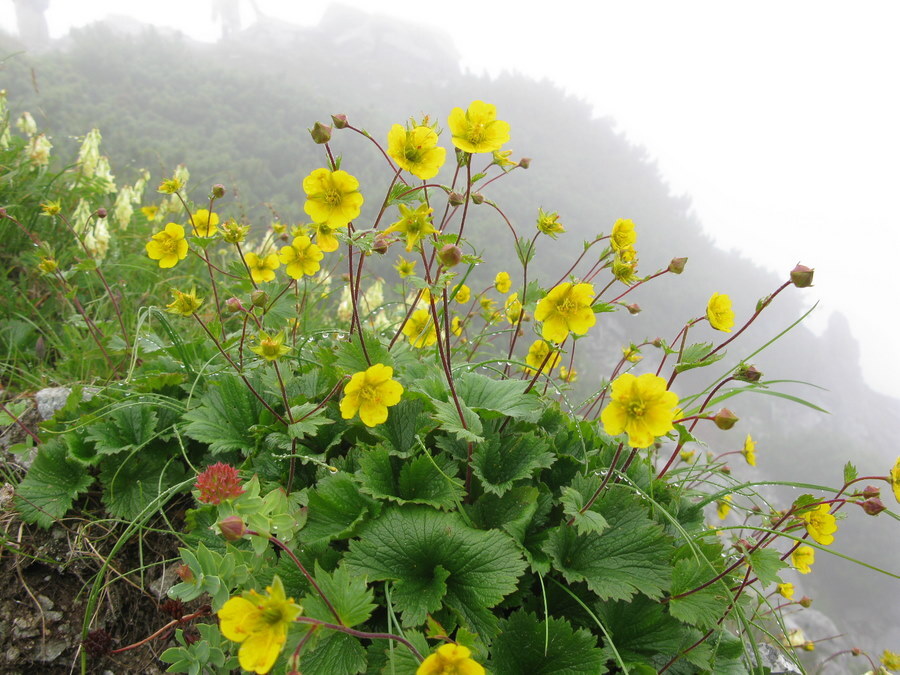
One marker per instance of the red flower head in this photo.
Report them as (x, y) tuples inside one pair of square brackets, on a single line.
[(219, 481)]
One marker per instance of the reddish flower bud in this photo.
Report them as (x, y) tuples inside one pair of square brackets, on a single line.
[(805, 601), (233, 306), (321, 133), (218, 191), (477, 198), (259, 298), (101, 212), (456, 199), (340, 121), (450, 255), (232, 528), (219, 482), (525, 162), (381, 244), (747, 374), (725, 419), (873, 506), (633, 308), (802, 276), (871, 491), (677, 265), (184, 573), (856, 651)]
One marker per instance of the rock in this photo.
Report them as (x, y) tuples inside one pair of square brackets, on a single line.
[(50, 400)]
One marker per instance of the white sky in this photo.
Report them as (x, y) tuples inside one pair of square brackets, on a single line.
[(781, 118)]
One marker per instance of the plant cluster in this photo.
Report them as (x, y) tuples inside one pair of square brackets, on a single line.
[(398, 478)]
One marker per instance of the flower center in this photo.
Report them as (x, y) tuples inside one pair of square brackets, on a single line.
[(368, 393), (332, 197), (636, 409), (169, 245), (566, 307), (272, 615), (477, 133)]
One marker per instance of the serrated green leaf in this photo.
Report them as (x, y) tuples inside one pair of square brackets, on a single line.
[(803, 501), (336, 507), (697, 356), (506, 397), (502, 460), (850, 472), (766, 563), (702, 608), (334, 654), (525, 250), (417, 547), (640, 629), (129, 486), (421, 480), (351, 357), (127, 427), (227, 412), (512, 512), (349, 595), (520, 647), (631, 556), (309, 419), (589, 521), (603, 307), (403, 424), (51, 485), (448, 419)]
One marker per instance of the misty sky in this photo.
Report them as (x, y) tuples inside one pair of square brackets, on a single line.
[(780, 119)]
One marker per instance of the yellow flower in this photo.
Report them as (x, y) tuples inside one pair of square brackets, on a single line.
[(631, 354), (567, 375), (271, 347), (413, 224), (416, 150), (168, 246), (895, 479), (205, 223), (464, 293), (487, 304), (478, 129), (405, 267), (262, 268), (537, 353), (232, 232), (301, 257), (502, 282), (325, 238), (260, 623), (513, 308), (820, 524), (370, 393), (48, 265), (150, 212), (687, 456), (456, 326), (640, 406), (332, 197), (548, 223), (623, 235), (802, 558), (300, 230), (719, 312), (420, 330), (450, 659), (749, 450), (723, 507), (890, 660), (565, 308), (624, 270), (627, 254), (279, 228), (51, 208), (170, 186), (184, 304), (786, 590), (501, 159)]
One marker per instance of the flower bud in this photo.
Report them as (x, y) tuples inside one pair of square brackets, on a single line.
[(450, 255), (184, 573), (477, 198), (345, 277), (525, 162), (457, 199), (873, 506), (802, 276), (871, 491), (809, 646), (805, 601), (381, 244), (233, 306), (725, 419), (340, 121), (726, 470), (633, 308), (677, 265), (747, 374), (232, 528), (321, 133), (101, 212), (218, 191), (657, 342), (2, 212), (856, 651), (259, 298)]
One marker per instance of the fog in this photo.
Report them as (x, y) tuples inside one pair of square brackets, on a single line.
[(747, 137)]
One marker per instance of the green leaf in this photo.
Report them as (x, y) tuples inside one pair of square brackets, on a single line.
[(766, 563), (17, 409), (502, 460), (630, 556), (128, 427), (520, 647), (349, 595), (334, 654), (129, 486), (433, 552), (421, 480), (590, 521), (697, 356), (525, 250), (512, 512), (640, 629), (850, 472), (447, 416), (226, 413), (52, 483), (352, 358), (308, 420), (336, 507), (704, 607), (403, 424), (603, 307), (506, 397), (803, 501)]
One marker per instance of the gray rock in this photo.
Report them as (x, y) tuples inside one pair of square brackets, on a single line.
[(50, 400)]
